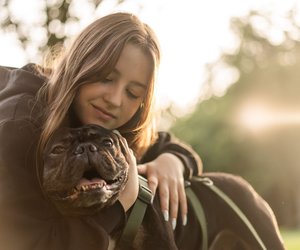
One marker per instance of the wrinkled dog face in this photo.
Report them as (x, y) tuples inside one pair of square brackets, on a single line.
[(84, 169)]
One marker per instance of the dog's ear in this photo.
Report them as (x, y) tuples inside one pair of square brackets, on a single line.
[(122, 142), (57, 136)]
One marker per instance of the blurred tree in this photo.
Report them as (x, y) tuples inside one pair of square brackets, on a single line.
[(55, 20), (267, 73)]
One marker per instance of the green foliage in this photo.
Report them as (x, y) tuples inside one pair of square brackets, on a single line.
[(291, 239), (267, 157), (55, 21)]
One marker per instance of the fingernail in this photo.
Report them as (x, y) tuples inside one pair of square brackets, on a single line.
[(116, 132), (184, 220), (166, 215), (174, 223)]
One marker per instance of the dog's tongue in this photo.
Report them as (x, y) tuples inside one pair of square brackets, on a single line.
[(84, 181)]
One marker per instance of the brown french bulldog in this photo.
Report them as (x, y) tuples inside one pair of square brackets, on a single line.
[(85, 169)]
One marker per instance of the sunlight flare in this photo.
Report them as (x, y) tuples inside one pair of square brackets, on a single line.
[(257, 117)]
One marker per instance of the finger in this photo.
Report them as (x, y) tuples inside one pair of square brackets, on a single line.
[(174, 205), (129, 194), (123, 145), (129, 153), (152, 183), (183, 204), (131, 158), (164, 199)]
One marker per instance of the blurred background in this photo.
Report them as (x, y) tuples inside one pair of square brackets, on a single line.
[(229, 83)]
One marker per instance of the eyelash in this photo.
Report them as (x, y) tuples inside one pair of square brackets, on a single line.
[(132, 95), (106, 80), (129, 93)]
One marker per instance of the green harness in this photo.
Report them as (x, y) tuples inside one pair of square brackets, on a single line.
[(145, 198)]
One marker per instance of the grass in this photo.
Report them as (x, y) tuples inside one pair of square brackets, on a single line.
[(291, 239)]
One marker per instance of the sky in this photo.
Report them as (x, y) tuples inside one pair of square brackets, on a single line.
[(192, 33)]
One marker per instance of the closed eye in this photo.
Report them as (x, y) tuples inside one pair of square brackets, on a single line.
[(131, 95), (106, 80)]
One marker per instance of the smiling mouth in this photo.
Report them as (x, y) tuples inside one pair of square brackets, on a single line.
[(103, 114)]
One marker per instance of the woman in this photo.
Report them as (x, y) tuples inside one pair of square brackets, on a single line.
[(106, 78)]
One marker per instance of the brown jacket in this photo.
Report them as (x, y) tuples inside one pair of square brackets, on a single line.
[(28, 221)]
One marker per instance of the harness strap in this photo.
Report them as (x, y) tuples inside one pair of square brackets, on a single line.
[(199, 212), (145, 198), (209, 183), (137, 214)]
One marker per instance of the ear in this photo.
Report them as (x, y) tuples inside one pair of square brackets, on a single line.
[(57, 136)]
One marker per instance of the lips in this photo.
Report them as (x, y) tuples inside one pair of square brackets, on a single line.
[(103, 114)]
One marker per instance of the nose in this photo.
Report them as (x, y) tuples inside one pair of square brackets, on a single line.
[(114, 96), (86, 147)]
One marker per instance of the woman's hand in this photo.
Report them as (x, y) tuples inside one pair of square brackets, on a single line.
[(166, 174), (129, 195)]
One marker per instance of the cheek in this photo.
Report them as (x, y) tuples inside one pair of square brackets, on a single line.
[(130, 111)]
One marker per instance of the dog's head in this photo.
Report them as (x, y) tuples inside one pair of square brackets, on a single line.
[(84, 169)]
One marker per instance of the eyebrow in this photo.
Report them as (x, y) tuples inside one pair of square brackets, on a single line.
[(142, 85)]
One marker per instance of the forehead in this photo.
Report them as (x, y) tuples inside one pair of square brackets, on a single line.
[(135, 64)]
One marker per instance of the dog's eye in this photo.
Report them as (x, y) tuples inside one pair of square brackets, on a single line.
[(107, 143), (58, 150)]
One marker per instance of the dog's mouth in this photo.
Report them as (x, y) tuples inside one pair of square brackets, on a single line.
[(91, 179), (92, 182)]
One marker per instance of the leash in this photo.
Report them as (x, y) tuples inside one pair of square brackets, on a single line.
[(145, 198), (209, 183), (137, 214)]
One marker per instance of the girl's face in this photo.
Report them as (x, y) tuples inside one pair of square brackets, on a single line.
[(113, 101)]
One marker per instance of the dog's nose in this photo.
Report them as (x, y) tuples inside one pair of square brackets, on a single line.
[(85, 147)]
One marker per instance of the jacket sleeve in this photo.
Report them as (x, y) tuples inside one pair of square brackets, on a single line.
[(28, 220), (166, 143)]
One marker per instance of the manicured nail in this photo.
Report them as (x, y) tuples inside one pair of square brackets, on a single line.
[(184, 220), (166, 215), (173, 223), (116, 132)]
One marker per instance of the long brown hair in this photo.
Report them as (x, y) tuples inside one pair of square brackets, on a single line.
[(95, 52)]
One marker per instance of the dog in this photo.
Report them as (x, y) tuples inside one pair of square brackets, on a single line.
[(85, 169)]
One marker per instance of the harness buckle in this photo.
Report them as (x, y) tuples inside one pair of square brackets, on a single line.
[(145, 194)]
